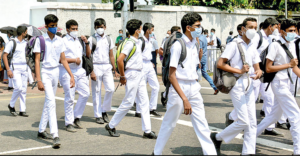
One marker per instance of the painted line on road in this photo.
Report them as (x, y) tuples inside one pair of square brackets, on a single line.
[(31, 97), (24, 150)]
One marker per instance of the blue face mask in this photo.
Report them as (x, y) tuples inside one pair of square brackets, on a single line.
[(53, 30), (8, 37), (196, 33), (290, 36), (212, 34), (151, 35), (120, 34)]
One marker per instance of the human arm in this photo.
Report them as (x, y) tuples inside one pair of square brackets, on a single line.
[(120, 62), (270, 68), (112, 61), (65, 63)]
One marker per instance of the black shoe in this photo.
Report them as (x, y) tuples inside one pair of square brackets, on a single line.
[(262, 113), (70, 128), (112, 132), (216, 92), (273, 132), (23, 114), (282, 126), (10, 88), (261, 101), (150, 135), (30, 85), (44, 135), (155, 113), (56, 143), (99, 120), (163, 100), (12, 110), (216, 142), (77, 123), (105, 117), (228, 121), (138, 115), (288, 125)]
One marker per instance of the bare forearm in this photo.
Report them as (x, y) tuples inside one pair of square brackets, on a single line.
[(112, 60), (71, 60), (272, 68), (6, 61), (88, 51), (121, 67), (228, 68), (296, 70), (161, 51), (200, 55), (37, 68)]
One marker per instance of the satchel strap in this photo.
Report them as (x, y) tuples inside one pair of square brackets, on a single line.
[(243, 60)]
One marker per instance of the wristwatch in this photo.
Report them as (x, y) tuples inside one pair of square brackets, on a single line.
[(88, 42)]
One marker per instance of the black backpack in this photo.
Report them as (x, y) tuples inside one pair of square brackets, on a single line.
[(10, 55), (298, 57), (260, 40), (87, 62), (219, 43), (143, 43)]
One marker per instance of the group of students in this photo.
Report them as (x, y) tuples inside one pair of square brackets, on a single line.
[(63, 61)]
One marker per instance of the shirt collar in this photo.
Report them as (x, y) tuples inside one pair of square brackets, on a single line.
[(135, 39), (187, 40), (145, 38), (282, 40), (240, 40), (263, 33), (97, 35), (46, 36), (70, 37), (17, 40)]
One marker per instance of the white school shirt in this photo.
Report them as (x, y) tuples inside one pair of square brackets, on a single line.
[(232, 53), (271, 37), (147, 50), (101, 53), (19, 54), (214, 38), (74, 50), (279, 57), (136, 61), (53, 49), (265, 41), (189, 64), (154, 44)]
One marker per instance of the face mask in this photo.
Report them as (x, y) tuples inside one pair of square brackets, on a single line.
[(205, 35), (74, 34), (120, 34), (151, 35), (195, 33), (7, 37), (167, 35), (250, 33), (290, 36), (53, 30), (212, 34), (100, 31), (275, 32)]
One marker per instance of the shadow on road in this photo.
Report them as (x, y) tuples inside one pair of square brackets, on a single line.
[(5, 113), (26, 135), (102, 131)]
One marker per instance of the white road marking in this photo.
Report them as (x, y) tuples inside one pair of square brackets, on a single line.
[(24, 150)]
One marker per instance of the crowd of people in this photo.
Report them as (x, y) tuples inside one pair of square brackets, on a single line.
[(64, 59)]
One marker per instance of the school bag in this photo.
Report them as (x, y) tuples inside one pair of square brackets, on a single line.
[(143, 43), (94, 42), (219, 43), (260, 39), (120, 48), (30, 55), (87, 62), (268, 77), (9, 56), (224, 80), (298, 57)]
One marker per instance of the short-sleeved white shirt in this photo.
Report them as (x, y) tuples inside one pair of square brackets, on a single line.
[(232, 53), (265, 41), (147, 50), (154, 44), (101, 53), (74, 50), (271, 37), (19, 54), (279, 57), (53, 49), (189, 64), (214, 38), (136, 61)]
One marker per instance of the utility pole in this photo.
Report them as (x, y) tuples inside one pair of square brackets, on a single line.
[(125, 17), (169, 2), (286, 13)]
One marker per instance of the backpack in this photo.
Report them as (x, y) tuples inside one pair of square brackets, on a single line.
[(120, 48), (298, 57), (94, 42), (30, 55), (260, 40), (224, 80), (268, 77), (87, 62), (9, 56), (176, 36), (228, 39), (219, 43), (143, 43)]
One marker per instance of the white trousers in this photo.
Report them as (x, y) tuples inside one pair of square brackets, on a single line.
[(20, 86), (151, 78), (10, 82), (244, 106), (135, 85), (175, 108), (82, 86), (50, 80), (103, 74), (284, 102), (256, 87), (30, 78)]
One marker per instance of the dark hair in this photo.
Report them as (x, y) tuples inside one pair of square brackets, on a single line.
[(1, 42), (205, 31), (231, 32), (190, 19), (251, 19), (127, 34), (10, 32), (261, 25), (280, 18), (121, 30), (298, 25), (147, 26), (214, 30), (71, 22), (202, 29), (285, 24), (270, 21), (21, 30), (99, 22), (50, 19), (63, 35), (175, 28), (239, 27), (133, 25), (59, 34)]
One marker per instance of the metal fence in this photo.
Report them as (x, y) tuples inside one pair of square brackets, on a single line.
[(212, 55)]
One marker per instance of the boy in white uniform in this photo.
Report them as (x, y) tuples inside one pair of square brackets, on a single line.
[(284, 100), (134, 82), (17, 70), (242, 93), (74, 52), (184, 92), (47, 76), (103, 61)]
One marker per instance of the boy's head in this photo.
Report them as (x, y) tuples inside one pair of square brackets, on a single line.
[(175, 28), (239, 29), (249, 27), (134, 27), (100, 26), (22, 31), (148, 28), (72, 28), (271, 26), (190, 22), (51, 23), (231, 32), (288, 29)]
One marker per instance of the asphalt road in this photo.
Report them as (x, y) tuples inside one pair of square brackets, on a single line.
[(19, 134)]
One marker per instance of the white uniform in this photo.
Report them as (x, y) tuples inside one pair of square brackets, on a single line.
[(243, 100), (19, 68), (135, 85), (103, 71), (187, 81), (149, 75), (284, 100), (50, 75), (74, 50)]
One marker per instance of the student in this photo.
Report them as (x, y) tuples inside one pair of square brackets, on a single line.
[(184, 92), (73, 54), (119, 38), (229, 37), (148, 71), (167, 36), (103, 61), (154, 52), (240, 34), (278, 61), (17, 70), (242, 94), (134, 82), (47, 77)]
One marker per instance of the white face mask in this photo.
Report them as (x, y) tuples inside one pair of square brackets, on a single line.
[(74, 34), (167, 35), (100, 31), (250, 33), (276, 32)]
